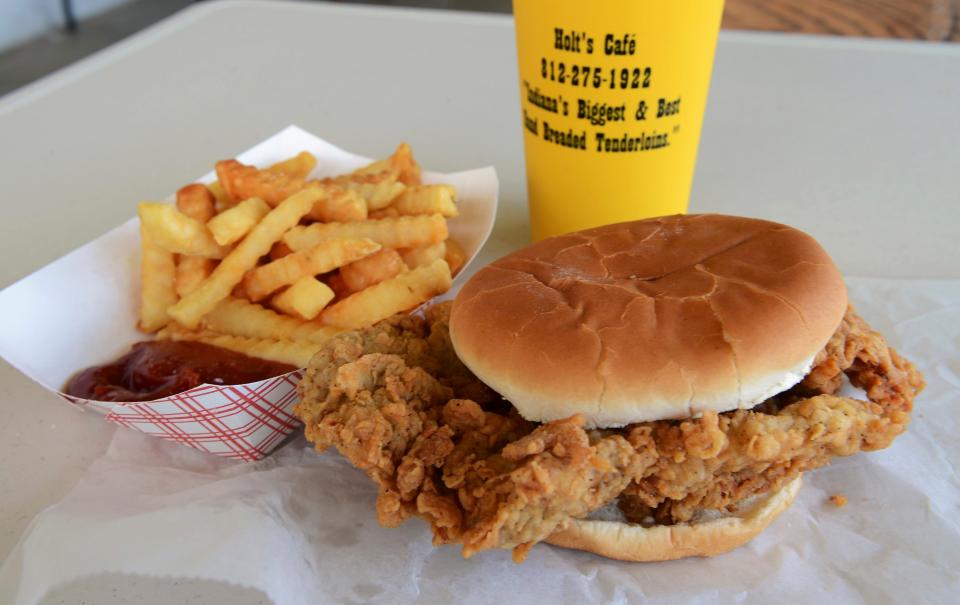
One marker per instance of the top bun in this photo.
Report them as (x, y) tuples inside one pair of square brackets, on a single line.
[(650, 320)]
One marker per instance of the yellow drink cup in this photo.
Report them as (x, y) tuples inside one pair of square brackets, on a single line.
[(612, 93)]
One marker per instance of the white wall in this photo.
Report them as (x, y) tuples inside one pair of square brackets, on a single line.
[(21, 20)]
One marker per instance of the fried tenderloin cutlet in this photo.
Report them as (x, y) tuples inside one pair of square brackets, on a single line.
[(395, 400)]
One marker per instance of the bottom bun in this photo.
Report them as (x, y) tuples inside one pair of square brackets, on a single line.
[(630, 542)]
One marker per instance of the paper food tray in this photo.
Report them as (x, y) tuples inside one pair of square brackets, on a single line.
[(102, 278)]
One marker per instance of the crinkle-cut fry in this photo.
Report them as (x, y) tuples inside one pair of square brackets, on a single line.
[(285, 351), (234, 223), (455, 256), (196, 201), (339, 205), (279, 250), (222, 199), (177, 232), (388, 212), (400, 232), (239, 292), (372, 269), (244, 257), (376, 195), (300, 165), (191, 271), (336, 284), (370, 169), (174, 331), (242, 318), (326, 256), (304, 299), (427, 199), (400, 293), (404, 163), (243, 182), (377, 188), (157, 278), (423, 255), (401, 162)]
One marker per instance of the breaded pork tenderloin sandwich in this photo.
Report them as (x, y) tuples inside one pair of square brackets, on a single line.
[(646, 391)]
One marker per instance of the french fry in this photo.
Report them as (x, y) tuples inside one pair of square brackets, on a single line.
[(400, 293), (378, 229), (191, 308), (222, 199), (243, 182), (243, 318), (300, 165), (191, 271), (336, 284), (327, 255), (388, 212), (239, 292), (157, 277), (373, 168), (378, 194), (373, 269), (455, 256), (423, 255), (401, 163), (339, 205), (295, 353), (427, 199), (233, 223), (196, 201), (304, 299), (177, 232), (401, 232), (279, 250)]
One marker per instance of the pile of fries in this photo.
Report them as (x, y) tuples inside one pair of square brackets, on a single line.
[(271, 263)]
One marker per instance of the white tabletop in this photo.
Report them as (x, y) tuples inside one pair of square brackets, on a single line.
[(853, 141)]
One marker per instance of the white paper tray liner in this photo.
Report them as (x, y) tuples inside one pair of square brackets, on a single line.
[(301, 527)]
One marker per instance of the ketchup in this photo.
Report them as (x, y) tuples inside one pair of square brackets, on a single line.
[(159, 368)]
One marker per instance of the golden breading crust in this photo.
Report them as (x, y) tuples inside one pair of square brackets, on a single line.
[(395, 400)]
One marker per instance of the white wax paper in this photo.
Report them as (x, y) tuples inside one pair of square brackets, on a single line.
[(300, 527)]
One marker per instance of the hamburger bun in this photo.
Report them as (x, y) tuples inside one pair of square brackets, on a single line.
[(705, 538), (650, 320)]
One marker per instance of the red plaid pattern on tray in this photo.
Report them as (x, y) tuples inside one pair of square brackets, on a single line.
[(244, 422)]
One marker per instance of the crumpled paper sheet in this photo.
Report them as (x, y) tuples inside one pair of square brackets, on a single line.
[(301, 527)]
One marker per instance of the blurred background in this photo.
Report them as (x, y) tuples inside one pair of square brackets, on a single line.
[(38, 37)]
